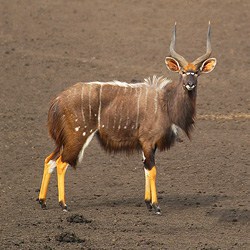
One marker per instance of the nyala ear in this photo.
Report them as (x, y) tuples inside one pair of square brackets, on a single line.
[(208, 65), (172, 64)]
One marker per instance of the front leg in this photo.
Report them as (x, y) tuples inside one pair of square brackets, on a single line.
[(150, 182)]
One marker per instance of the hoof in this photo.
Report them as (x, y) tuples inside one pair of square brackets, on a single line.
[(149, 205), (63, 206), (157, 209), (42, 203)]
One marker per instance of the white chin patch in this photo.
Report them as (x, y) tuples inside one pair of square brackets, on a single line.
[(188, 87)]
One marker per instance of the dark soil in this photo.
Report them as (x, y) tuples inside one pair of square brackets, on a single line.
[(203, 184), (68, 237)]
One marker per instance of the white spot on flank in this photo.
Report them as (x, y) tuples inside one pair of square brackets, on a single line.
[(91, 131), (85, 145), (84, 133), (77, 128), (103, 126), (76, 120), (125, 127), (52, 166)]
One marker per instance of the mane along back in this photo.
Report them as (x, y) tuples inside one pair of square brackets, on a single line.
[(157, 82)]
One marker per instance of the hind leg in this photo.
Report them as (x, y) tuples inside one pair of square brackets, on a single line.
[(61, 171), (71, 155), (49, 166)]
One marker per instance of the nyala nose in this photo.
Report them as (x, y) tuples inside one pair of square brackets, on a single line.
[(190, 83)]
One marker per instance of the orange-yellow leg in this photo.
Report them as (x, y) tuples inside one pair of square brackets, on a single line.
[(150, 190), (49, 165), (61, 170), (147, 186)]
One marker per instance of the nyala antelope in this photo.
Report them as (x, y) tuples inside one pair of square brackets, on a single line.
[(124, 117)]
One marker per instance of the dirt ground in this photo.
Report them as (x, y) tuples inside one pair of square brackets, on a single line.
[(203, 184)]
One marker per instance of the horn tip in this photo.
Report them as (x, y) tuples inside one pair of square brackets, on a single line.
[(209, 25), (175, 27)]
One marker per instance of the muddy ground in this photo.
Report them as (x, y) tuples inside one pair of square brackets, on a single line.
[(203, 185)]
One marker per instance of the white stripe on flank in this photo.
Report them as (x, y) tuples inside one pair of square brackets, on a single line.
[(90, 86), (114, 120), (138, 109), (156, 101), (127, 120), (120, 122), (107, 124), (85, 145), (100, 107), (146, 99), (145, 95), (83, 117)]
